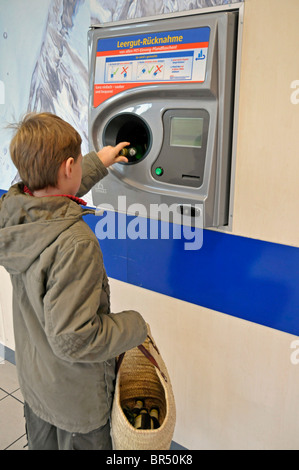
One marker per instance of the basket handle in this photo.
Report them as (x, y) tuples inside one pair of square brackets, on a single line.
[(147, 354)]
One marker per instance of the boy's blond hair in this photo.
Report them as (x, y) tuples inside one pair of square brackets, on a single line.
[(42, 142)]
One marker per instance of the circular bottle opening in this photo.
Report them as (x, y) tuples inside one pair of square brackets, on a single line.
[(128, 127)]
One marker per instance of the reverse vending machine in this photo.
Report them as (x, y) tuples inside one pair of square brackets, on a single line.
[(167, 87)]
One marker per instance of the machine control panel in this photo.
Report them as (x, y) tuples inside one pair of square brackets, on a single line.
[(183, 154)]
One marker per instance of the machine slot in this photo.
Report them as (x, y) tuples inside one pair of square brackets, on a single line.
[(191, 177), (188, 209)]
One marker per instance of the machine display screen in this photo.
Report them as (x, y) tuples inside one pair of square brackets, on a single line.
[(186, 132)]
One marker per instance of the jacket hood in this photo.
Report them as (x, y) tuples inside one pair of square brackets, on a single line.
[(29, 224)]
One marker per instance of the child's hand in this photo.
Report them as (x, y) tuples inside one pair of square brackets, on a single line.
[(110, 155)]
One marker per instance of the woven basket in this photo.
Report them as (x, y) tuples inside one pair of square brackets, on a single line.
[(137, 376)]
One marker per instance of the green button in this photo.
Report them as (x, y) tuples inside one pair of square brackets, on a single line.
[(159, 171)]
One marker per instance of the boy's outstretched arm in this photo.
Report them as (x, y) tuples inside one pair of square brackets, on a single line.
[(94, 165), (110, 155)]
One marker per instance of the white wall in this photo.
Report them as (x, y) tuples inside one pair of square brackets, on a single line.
[(234, 383), (266, 185)]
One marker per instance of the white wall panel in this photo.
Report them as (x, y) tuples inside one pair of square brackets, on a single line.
[(234, 382), (267, 164)]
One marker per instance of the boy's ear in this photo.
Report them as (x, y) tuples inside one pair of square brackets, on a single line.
[(68, 167)]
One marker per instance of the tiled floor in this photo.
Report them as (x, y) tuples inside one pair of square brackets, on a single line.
[(12, 422)]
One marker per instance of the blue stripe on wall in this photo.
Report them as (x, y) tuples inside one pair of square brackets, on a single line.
[(250, 279)]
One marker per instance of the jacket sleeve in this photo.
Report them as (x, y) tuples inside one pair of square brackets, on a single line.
[(77, 326), (93, 171)]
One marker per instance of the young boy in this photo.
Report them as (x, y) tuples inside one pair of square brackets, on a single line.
[(65, 337)]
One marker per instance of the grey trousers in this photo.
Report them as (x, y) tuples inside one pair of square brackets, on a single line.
[(44, 436)]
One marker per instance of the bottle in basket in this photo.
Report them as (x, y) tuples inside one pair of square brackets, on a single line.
[(138, 405), (143, 420), (154, 414)]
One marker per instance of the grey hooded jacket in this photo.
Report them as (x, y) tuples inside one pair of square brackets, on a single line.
[(65, 337)]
